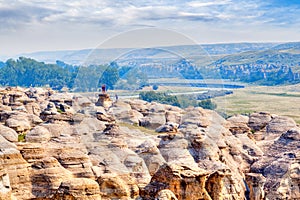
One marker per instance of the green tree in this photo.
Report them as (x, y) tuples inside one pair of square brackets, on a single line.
[(109, 77), (207, 104)]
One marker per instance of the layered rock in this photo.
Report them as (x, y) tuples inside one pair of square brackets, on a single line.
[(74, 149)]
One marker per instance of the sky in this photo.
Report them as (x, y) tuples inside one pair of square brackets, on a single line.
[(31, 25)]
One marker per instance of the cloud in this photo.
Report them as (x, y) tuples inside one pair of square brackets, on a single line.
[(112, 13), (74, 22), (12, 17), (197, 4)]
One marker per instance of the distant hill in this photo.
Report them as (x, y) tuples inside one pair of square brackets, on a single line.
[(259, 63), (106, 55)]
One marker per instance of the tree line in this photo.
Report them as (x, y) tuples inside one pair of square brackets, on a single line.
[(27, 72)]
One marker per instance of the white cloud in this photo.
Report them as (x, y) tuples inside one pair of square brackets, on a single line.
[(18, 17), (197, 4)]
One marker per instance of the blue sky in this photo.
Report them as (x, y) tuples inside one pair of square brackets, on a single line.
[(32, 25)]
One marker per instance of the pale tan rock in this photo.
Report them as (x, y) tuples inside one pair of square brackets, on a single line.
[(19, 125), (151, 155), (207, 158), (173, 116), (153, 120), (38, 134), (76, 162), (138, 105), (59, 128), (5, 188), (185, 182), (168, 127), (8, 133), (258, 121), (176, 150), (292, 134), (256, 183), (63, 97), (33, 108), (239, 124), (78, 188), (279, 125), (166, 195), (18, 171), (195, 116), (47, 175), (123, 112), (104, 100), (21, 122), (113, 186)]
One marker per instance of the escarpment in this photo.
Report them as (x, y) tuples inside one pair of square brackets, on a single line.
[(69, 146)]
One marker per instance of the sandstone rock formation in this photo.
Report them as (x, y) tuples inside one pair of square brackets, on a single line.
[(66, 146)]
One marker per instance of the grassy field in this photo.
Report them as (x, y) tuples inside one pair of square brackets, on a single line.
[(281, 100)]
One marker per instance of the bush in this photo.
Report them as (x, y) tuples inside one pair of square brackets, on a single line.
[(207, 104), (155, 87), (159, 97)]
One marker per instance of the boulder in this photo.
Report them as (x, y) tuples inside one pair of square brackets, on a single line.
[(33, 108), (78, 188), (255, 183), (18, 124), (292, 134), (151, 155), (238, 124), (258, 121), (173, 116), (8, 133), (184, 181), (114, 186), (123, 112), (153, 120), (166, 195), (38, 134), (279, 125), (5, 188), (168, 127), (104, 101)]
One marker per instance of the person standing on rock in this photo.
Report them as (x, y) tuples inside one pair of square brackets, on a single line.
[(103, 88)]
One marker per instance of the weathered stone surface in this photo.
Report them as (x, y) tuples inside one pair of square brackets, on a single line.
[(239, 124), (38, 134), (168, 127), (166, 195), (185, 182), (78, 188), (17, 170), (258, 121), (197, 155), (104, 101), (46, 176), (8, 133), (255, 184), (18, 124), (5, 189), (117, 186), (153, 120), (195, 116), (33, 108), (279, 125), (122, 111), (292, 134), (151, 155)]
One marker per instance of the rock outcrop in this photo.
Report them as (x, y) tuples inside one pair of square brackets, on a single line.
[(69, 146)]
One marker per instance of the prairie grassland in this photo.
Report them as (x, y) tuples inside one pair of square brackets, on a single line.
[(280, 100)]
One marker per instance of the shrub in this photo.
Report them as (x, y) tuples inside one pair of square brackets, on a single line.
[(207, 104)]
